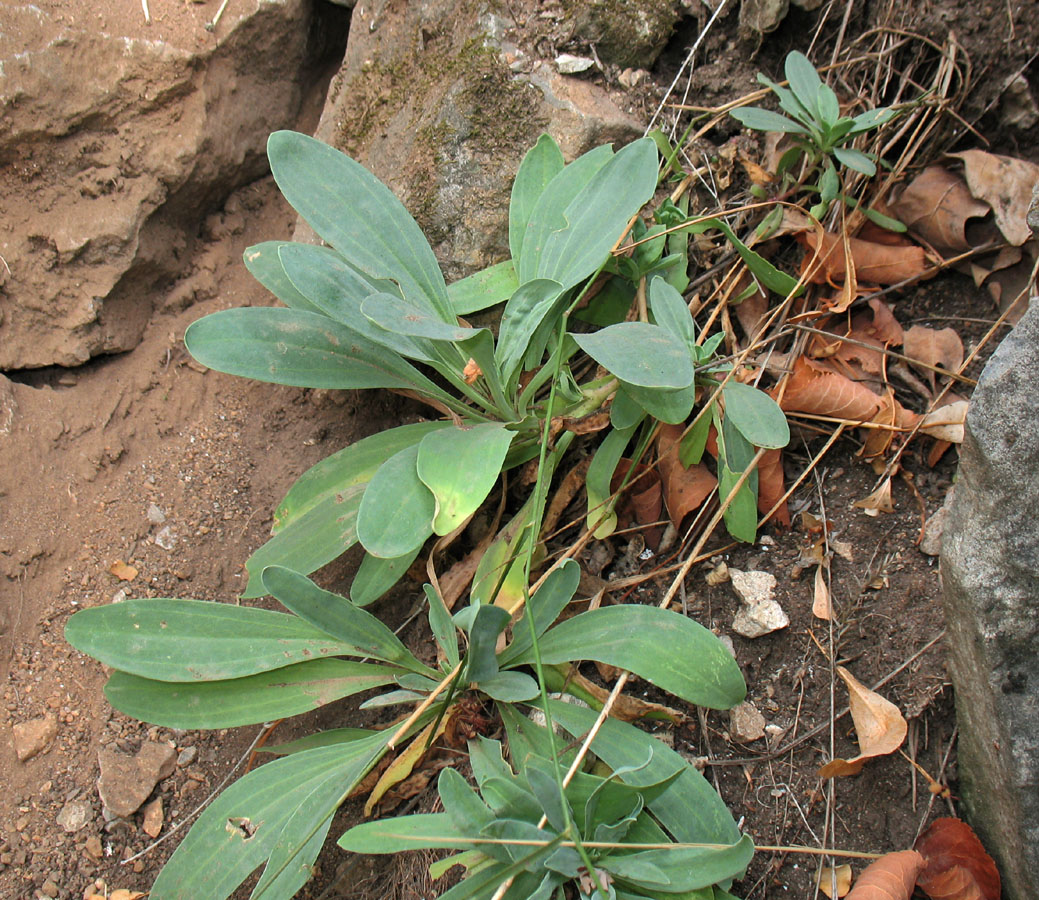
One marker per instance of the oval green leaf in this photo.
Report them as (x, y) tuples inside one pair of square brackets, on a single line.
[(641, 354), (396, 512), (756, 416)]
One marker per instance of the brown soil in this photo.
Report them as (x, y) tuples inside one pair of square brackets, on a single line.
[(92, 449)]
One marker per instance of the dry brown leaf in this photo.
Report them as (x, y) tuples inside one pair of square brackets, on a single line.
[(946, 422), (822, 608), (877, 502), (685, 489), (874, 263), (122, 571), (816, 389), (936, 206), (626, 707), (752, 310), (772, 486), (1005, 184), (406, 761), (839, 874), (879, 439), (879, 725), (934, 348), (956, 865), (891, 877)]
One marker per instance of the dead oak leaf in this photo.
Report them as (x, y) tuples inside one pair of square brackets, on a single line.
[(943, 349), (838, 877), (891, 877), (874, 263), (1005, 184), (880, 727), (956, 864), (936, 206), (685, 489)]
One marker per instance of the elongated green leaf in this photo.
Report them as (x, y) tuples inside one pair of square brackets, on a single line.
[(601, 518), (488, 623), (597, 217), (546, 604), (264, 697), (828, 105), (242, 827), (291, 862), (524, 312), (338, 290), (358, 215), (765, 120), (549, 213), (195, 640), (352, 465), (404, 317), (755, 415), (540, 165), (682, 868), (856, 159), (264, 264), (323, 533), (872, 118), (318, 739), (509, 687), (468, 813), (666, 648), (337, 616), (423, 831), (442, 625), (295, 347), (735, 454), (672, 407), (460, 466), (804, 81), (483, 289), (396, 512), (641, 354), (376, 576), (690, 808), (671, 311)]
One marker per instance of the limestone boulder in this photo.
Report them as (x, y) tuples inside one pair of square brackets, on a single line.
[(437, 99), (112, 146), (990, 574)]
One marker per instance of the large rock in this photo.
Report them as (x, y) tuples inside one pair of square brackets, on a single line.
[(990, 572), (435, 100), (111, 147)]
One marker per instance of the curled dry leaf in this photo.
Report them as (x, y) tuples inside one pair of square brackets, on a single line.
[(934, 348), (822, 608), (891, 877), (936, 206), (877, 502), (1005, 184), (684, 489), (626, 707), (956, 865), (946, 422), (772, 486), (839, 876), (880, 727), (874, 263)]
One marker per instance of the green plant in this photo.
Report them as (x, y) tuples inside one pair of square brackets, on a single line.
[(372, 310), (818, 131)]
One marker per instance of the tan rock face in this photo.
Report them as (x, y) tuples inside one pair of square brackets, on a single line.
[(126, 781), (109, 146)]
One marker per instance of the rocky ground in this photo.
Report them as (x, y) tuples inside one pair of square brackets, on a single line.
[(130, 471)]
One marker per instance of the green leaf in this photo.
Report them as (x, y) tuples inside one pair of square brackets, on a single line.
[(468, 813), (264, 264), (695, 666), (601, 518), (694, 441), (460, 466), (761, 268), (195, 640), (549, 213), (353, 465), (404, 317), (624, 411), (488, 623), (299, 348), (251, 700), (218, 852), (671, 311), (338, 290), (878, 218), (641, 354), (690, 808), (509, 687), (539, 775), (683, 868), (804, 82), (483, 289), (442, 626), (759, 119), (597, 217), (352, 626), (755, 415), (828, 105), (671, 407), (872, 118), (829, 184), (546, 604), (855, 159), (543, 162), (396, 512), (357, 214), (375, 576), (423, 831), (323, 533), (524, 312), (734, 456), (317, 739), (291, 862)]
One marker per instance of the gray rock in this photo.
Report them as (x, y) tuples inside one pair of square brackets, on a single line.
[(426, 98), (746, 723), (33, 737), (114, 146), (624, 32), (760, 614), (126, 781), (74, 815), (990, 573)]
